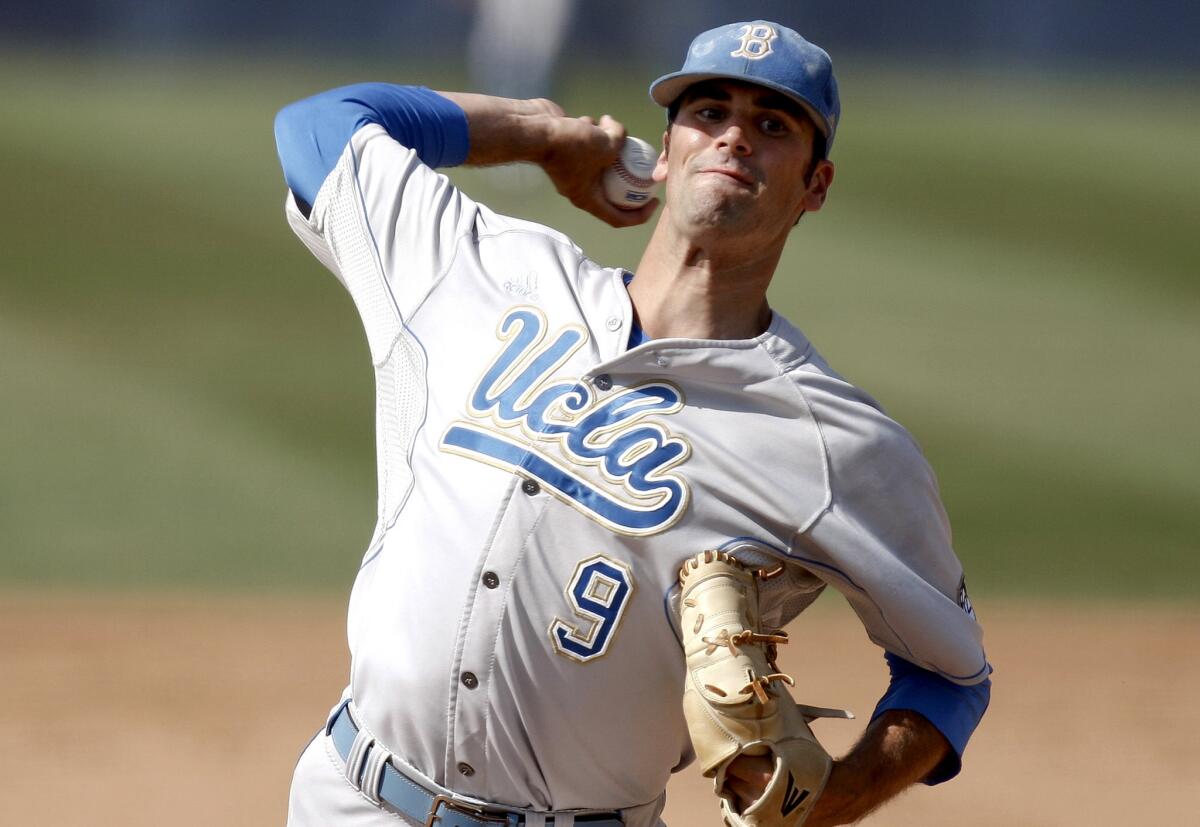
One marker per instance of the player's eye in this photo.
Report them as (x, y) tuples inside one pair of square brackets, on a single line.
[(773, 126), (709, 113)]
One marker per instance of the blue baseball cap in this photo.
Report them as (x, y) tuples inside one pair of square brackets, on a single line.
[(764, 53)]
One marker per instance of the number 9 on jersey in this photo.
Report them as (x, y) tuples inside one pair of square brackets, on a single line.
[(598, 593)]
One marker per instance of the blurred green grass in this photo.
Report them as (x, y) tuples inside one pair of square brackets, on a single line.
[(1009, 266)]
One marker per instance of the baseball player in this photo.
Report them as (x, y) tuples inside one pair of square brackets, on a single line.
[(598, 490)]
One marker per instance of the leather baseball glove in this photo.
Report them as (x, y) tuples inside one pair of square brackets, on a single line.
[(734, 700)]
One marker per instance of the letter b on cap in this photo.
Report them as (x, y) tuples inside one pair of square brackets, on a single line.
[(756, 41)]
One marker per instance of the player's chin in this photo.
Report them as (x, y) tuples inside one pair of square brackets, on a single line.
[(717, 211), (723, 196)]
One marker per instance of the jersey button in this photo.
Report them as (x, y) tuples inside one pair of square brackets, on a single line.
[(613, 323), (491, 579), (469, 680), (530, 487), (604, 382), (466, 769)]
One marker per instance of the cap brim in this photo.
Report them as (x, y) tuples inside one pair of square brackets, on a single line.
[(666, 89)]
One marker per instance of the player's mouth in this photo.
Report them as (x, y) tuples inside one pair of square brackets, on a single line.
[(738, 175)]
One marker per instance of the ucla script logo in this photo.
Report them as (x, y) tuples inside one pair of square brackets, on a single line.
[(603, 454)]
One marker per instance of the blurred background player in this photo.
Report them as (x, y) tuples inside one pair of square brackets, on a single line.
[(514, 46)]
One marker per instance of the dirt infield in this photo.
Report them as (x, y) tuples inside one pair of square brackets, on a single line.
[(139, 711)]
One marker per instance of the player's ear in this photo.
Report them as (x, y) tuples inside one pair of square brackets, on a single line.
[(819, 182), (660, 167)]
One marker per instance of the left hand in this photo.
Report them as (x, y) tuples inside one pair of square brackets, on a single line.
[(747, 778), (748, 775), (899, 748)]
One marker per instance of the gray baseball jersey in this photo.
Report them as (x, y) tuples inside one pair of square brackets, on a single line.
[(512, 630)]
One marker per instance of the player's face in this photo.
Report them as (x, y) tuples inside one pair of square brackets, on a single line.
[(737, 161)]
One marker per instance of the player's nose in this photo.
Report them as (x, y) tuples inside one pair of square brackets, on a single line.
[(735, 138)]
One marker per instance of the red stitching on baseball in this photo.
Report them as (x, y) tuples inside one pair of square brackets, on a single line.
[(631, 179)]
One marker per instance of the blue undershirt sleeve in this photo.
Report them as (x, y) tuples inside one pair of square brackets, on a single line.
[(954, 710), (311, 134)]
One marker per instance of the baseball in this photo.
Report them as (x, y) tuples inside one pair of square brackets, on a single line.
[(627, 183)]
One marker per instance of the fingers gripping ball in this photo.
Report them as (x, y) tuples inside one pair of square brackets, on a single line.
[(627, 183), (734, 700)]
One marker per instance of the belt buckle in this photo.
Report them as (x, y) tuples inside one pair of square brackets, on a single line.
[(449, 803)]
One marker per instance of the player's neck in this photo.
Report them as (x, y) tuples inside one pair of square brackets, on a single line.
[(685, 288)]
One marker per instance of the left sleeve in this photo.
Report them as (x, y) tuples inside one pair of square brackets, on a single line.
[(883, 538), (954, 710)]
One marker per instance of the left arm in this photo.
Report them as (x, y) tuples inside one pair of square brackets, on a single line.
[(884, 542), (898, 749), (919, 731)]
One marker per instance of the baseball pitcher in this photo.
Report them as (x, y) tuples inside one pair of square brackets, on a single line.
[(602, 493)]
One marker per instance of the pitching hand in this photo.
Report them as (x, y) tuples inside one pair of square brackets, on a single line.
[(580, 150)]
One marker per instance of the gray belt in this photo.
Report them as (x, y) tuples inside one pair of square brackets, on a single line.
[(380, 781)]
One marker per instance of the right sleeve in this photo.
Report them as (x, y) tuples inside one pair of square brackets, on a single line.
[(311, 134), (385, 223), (365, 201)]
